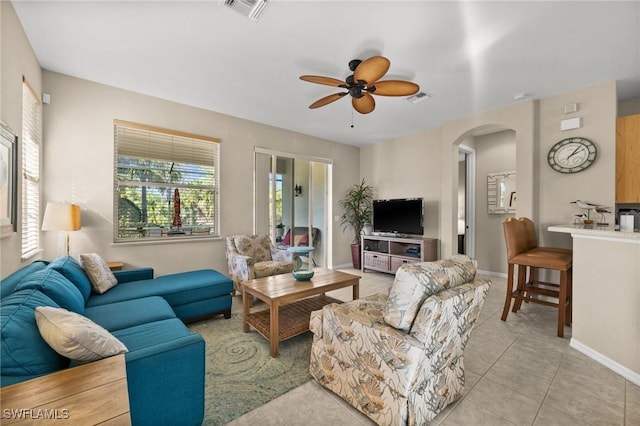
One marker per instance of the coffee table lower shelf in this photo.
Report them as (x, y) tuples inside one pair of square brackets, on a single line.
[(294, 317)]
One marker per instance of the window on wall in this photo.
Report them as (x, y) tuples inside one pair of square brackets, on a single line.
[(31, 137), (166, 184)]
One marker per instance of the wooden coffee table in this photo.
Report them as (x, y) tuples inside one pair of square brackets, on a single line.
[(290, 303)]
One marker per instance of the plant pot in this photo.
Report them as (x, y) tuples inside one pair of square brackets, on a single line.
[(355, 255)]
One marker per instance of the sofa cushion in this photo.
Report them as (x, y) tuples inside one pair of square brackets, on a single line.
[(271, 267), (76, 337), (23, 352), (415, 282), (71, 269), (99, 273), (257, 247), (57, 287), (8, 284), (129, 313), (177, 289), (151, 334)]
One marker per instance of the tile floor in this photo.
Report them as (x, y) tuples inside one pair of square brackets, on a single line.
[(518, 373)]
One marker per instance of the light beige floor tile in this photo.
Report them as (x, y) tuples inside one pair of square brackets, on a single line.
[(295, 408), (632, 414), (527, 369), (264, 415), (505, 403), (480, 355), (588, 392), (548, 416), (468, 413)]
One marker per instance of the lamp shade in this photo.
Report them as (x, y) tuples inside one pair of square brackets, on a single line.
[(61, 217)]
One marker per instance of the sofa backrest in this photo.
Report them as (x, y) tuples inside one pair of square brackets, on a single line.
[(8, 285), (415, 282), (23, 352), (59, 289), (257, 247), (71, 270)]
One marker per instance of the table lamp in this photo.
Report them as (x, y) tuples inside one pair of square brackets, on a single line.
[(61, 217)]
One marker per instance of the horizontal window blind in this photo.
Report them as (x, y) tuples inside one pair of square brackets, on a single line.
[(151, 164), (31, 137)]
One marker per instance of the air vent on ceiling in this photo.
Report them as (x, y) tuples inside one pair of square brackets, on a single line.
[(418, 97), (250, 8)]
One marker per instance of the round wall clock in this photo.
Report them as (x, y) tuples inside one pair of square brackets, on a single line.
[(572, 155)]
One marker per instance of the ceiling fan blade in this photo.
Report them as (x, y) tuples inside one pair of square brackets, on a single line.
[(372, 69), (327, 100), (395, 88), (365, 104), (328, 81)]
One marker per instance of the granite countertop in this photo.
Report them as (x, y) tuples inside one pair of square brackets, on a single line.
[(609, 231)]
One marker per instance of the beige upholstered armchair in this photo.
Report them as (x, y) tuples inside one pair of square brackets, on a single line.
[(254, 256), (399, 358)]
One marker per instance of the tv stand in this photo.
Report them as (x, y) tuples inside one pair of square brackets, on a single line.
[(386, 254)]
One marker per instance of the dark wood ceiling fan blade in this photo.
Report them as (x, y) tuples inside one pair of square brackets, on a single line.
[(328, 81), (365, 104), (395, 88), (326, 100), (372, 69)]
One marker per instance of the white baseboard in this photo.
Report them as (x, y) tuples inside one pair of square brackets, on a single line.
[(628, 374)]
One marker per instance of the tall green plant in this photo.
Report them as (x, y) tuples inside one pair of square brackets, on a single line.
[(357, 209)]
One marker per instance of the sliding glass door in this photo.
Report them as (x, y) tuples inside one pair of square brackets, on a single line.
[(291, 198)]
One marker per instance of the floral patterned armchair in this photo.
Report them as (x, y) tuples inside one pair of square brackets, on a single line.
[(399, 358), (253, 256)]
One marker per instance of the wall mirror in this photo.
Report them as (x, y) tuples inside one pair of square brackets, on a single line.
[(501, 192)]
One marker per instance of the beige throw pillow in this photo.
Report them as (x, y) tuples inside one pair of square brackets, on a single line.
[(76, 337), (99, 273)]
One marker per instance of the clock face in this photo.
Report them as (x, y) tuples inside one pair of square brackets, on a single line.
[(572, 155)]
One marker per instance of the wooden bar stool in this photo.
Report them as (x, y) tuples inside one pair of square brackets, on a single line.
[(523, 252)]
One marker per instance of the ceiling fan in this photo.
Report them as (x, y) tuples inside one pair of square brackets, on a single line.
[(362, 84)]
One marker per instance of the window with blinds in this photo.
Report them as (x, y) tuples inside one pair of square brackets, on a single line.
[(31, 137), (166, 183)]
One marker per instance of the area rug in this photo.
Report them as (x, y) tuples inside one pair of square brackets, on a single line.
[(240, 374)]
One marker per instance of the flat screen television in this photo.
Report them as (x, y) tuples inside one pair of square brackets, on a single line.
[(399, 216)]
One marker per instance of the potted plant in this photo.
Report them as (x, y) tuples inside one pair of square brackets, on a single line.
[(356, 213)]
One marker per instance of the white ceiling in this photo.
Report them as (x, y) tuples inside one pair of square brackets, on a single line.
[(469, 56)]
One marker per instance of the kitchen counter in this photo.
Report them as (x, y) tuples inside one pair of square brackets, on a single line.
[(606, 296), (596, 231)]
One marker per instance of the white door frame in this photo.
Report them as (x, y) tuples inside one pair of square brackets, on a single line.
[(470, 204)]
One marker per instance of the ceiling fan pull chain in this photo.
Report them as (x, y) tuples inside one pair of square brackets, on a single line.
[(352, 118)]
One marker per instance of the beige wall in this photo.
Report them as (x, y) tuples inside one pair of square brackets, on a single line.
[(495, 152), (407, 167), (543, 194), (17, 59), (78, 167), (597, 107)]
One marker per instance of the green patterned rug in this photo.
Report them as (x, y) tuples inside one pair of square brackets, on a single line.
[(240, 374)]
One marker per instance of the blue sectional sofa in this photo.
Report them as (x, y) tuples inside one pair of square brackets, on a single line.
[(165, 362)]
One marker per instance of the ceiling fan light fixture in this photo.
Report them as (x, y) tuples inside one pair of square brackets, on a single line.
[(252, 9), (364, 82)]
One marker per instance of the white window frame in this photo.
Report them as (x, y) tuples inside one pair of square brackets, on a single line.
[(31, 144), (152, 135)]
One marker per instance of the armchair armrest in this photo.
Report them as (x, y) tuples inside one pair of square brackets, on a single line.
[(241, 268), (137, 274)]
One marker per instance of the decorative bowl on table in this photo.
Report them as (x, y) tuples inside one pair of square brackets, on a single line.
[(302, 274)]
